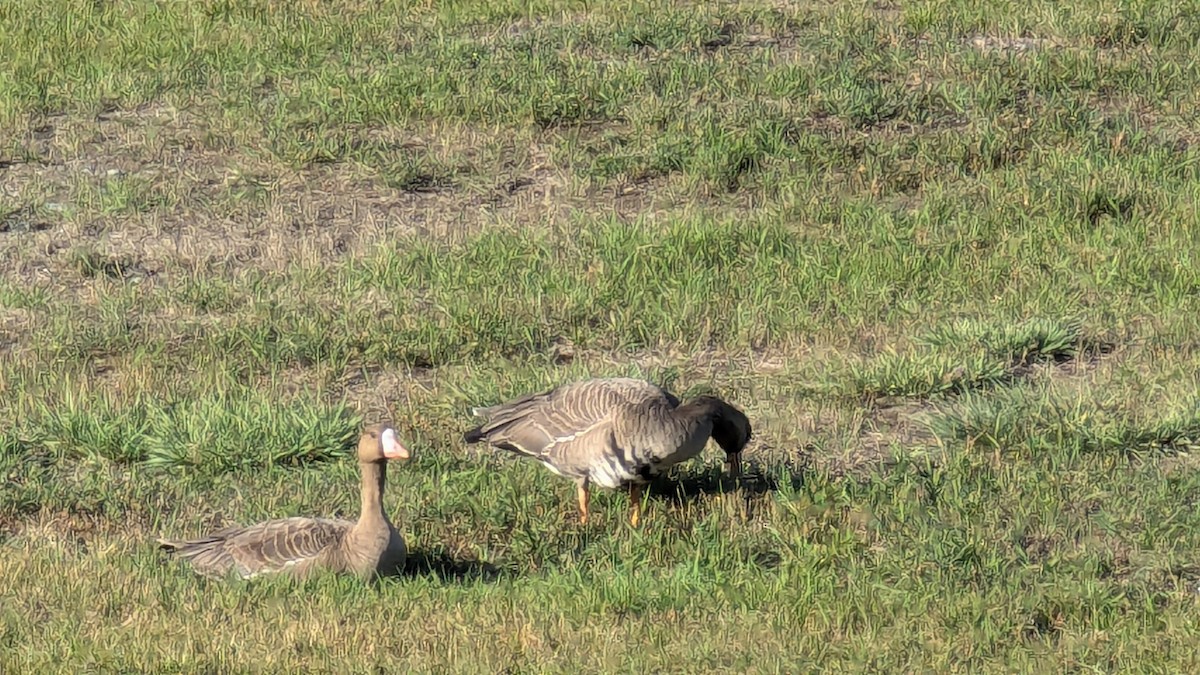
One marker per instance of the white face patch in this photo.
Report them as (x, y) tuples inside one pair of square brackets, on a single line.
[(391, 446)]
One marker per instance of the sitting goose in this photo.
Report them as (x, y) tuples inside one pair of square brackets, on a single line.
[(300, 546), (614, 432)]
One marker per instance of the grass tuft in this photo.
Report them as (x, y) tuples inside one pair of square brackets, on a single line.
[(966, 355), (894, 374), (222, 434), (1025, 420), (1032, 341)]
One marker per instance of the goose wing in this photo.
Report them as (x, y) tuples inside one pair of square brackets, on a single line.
[(569, 426), (265, 548)]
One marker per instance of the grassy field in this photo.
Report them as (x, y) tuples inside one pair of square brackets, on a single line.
[(946, 255)]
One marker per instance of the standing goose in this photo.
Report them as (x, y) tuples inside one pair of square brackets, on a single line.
[(300, 546), (615, 432)]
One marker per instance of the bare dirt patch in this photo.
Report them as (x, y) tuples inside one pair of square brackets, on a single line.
[(151, 187), (15, 326), (897, 423)]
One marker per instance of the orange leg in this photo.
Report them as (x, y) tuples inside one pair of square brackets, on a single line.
[(635, 504), (735, 464), (583, 495)]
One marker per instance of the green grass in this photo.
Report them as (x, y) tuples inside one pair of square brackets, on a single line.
[(944, 254)]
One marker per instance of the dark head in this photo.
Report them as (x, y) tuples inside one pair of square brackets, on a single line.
[(730, 429), (378, 443)]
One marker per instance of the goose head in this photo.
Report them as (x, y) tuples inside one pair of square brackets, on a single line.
[(379, 443), (731, 430)]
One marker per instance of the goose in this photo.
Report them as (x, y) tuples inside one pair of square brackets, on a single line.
[(300, 546), (612, 432)]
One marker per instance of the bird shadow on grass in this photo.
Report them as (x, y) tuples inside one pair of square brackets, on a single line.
[(448, 569), (754, 482)]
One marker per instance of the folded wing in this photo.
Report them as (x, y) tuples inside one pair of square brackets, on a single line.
[(265, 548), (552, 426)]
